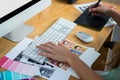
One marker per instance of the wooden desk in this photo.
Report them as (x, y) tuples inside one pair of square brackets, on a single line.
[(45, 19)]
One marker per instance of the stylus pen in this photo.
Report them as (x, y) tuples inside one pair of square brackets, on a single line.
[(95, 6), (97, 3)]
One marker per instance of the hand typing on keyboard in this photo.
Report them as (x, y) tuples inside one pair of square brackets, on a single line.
[(55, 52), (56, 33), (62, 54)]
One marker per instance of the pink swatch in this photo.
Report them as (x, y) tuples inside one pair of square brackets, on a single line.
[(14, 66), (19, 67), (8, 64), (3, 60)]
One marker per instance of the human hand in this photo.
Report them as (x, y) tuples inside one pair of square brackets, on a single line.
[(102, 9), (56, 52)]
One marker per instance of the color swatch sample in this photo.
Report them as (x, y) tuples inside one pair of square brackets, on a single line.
[(25, 69), (8, 75), (15, 66)]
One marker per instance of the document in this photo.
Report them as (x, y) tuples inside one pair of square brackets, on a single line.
[(48, 70)]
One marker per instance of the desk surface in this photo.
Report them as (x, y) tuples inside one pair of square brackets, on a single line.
[(45, 19)]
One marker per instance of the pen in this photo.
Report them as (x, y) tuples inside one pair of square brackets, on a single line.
[(94, 7), (97, 3)]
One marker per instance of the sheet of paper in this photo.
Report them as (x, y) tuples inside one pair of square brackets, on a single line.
[(88, 55), (83, 7), (17, 49), (58, 75)]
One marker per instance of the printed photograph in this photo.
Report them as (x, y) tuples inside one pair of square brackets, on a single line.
[(77, 49), (46, 72), (61, 65)]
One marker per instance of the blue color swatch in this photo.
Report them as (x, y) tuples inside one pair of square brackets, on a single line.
[(8, 75)]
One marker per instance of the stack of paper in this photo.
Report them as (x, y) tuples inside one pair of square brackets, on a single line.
[(15, 61)]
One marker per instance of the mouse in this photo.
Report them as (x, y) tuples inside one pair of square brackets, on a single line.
[(83, 36)]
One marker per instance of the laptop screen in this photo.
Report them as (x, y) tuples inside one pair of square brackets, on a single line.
[(9, 8)]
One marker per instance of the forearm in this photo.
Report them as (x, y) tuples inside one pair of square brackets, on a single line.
[(115, 15), (83, 71)]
